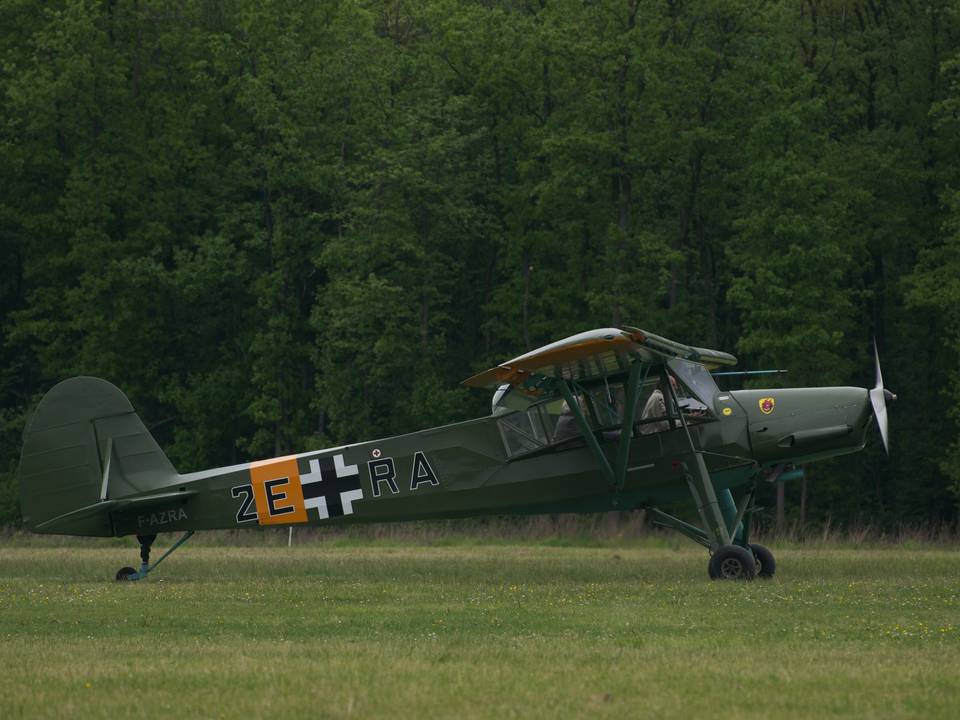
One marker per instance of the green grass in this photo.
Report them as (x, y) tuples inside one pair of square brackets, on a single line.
[(498, 631)]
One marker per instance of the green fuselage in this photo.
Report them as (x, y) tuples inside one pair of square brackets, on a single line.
[(465, 469), (607, 419), (90, 467)]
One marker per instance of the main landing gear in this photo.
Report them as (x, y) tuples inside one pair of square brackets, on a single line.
[(732, 562), (146, 542), (735, 562), (733, 556), (766, 565)]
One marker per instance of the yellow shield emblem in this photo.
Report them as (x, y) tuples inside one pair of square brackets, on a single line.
[(767, 404)]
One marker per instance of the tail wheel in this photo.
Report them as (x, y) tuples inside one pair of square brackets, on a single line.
[(732, 562), (124, 573), (766, 564)]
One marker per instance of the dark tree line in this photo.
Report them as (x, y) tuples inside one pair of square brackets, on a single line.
[(281, 225)]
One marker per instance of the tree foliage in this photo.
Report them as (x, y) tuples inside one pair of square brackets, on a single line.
[(281, 225)]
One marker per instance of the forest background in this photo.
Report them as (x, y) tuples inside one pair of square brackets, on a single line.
[(284, 225)]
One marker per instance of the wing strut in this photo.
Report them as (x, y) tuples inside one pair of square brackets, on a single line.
[(698, 478), (587, 432), (634, 383), (615, 474)]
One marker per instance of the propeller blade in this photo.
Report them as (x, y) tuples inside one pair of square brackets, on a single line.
[(876, 358), (880, 411), (879, 402)]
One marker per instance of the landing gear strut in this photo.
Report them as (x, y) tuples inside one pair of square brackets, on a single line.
[(146, 542), (734, 564), (733, 556)]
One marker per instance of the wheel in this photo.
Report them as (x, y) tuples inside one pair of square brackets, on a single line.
[(124, 573), (732, 562), (766, 565)]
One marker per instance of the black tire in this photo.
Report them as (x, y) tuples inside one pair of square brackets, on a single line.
[(766, 564), (732, 562), (124, 573)]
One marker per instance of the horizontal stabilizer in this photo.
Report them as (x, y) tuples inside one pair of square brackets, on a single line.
[(106, 506)]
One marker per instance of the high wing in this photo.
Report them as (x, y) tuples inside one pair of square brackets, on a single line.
[(593, 354), (711, 359)]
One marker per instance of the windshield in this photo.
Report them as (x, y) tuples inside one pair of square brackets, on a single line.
[(696, 378)]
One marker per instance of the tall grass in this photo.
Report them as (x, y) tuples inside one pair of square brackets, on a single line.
[(588, 530)]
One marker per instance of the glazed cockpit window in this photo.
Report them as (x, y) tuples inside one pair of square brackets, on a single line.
[(608, 401), (700, 383), (522, 432), (546, 423)]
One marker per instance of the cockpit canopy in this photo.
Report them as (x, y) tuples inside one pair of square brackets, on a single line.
[(531, 423), (591, 370)]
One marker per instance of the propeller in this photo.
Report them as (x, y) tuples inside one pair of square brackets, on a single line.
[(878, 399)]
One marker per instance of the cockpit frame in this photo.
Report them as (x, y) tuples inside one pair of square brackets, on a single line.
[(533, 424)]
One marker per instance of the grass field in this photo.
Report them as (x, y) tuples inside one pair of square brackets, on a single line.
[(462, 631)]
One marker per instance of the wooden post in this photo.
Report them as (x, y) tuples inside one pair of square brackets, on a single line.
[(781, 522)]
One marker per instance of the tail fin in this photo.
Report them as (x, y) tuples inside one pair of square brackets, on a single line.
[(83, 448)]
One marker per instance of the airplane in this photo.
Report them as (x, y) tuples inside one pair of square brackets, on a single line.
[(608, 419)]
